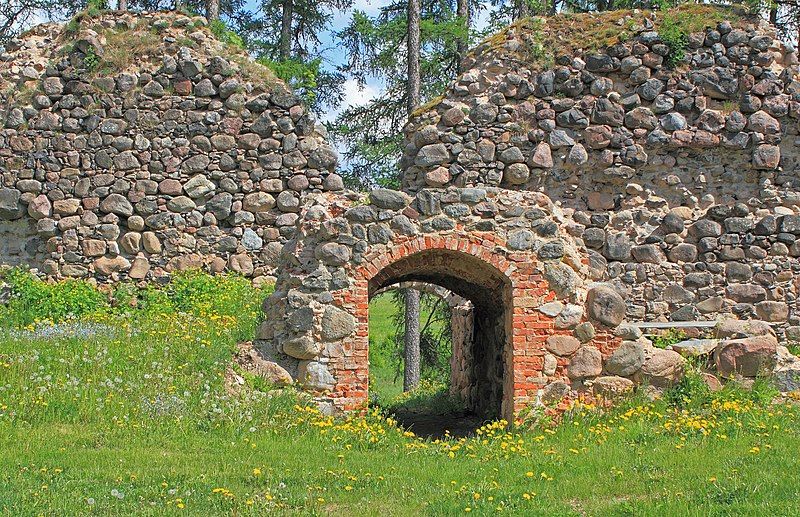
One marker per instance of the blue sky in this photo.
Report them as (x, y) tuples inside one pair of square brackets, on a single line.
[(353, 95)]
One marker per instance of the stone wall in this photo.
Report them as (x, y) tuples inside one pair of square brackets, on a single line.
[(537, 316), (680, 183), (184, 155)]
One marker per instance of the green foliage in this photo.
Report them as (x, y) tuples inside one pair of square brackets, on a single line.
[(73, 26), (431, 397), (91, 60), (96, 7), (435, 341), (300, 76), (691, 389), (675, 38), (33, 300), (318, 83), (226, 35), (371, 133), (668, 337), (535, 49)]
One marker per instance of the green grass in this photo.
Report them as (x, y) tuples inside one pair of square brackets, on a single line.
[(385, 384), (139, 422)]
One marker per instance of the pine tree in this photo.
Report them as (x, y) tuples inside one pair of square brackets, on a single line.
[(212, 10), (371, 134), (286, 38), (412, 367)]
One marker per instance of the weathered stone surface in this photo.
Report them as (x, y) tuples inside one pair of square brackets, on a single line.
[(10, 206), (732, 328), (302, 347), (563, 345), (117, 204), (258, 202), (586, 362), (626, 360), (605, 305), (434, 154), (107, 265), (554, 392), (695, 347), (333, 254), (661, 368), (611, 386), (336, 324), (389, 199), (748, 357), (787, 378), (315, 376)]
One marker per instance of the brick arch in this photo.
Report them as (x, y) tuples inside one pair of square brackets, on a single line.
[(506, 287)]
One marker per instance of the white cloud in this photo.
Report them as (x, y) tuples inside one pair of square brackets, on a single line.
[(370, 6), (354, 95)]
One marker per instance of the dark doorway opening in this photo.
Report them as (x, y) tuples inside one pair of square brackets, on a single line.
[(479, 308)]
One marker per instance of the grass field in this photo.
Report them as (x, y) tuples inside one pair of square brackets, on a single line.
[(124, 411), (383, 363)]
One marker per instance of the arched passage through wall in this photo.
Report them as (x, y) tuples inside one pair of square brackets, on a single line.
[(485, 368)]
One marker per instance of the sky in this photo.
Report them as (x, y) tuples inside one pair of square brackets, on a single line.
[(353, 94)]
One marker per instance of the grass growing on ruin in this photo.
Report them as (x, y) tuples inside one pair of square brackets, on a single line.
[(123, 409), (569, 34)]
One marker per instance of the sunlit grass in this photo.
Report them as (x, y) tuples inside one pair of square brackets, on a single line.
[(139, 421)]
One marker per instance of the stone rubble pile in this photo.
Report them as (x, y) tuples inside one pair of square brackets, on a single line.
[(187, 158), (681, 183)]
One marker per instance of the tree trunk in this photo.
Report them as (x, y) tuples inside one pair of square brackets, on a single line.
[(413, 54), (522, 10), (285, 47), (212, 10), (122, 5), (412, 353), (462, 10)]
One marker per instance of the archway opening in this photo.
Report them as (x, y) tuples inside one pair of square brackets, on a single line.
[(480, 376)]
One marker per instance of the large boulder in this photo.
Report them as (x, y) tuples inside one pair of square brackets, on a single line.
[(661, 368), (554, 392), (587, 362), (748, 357), (605, 305), (626, 360), (611, 386), (336, 324), (786, 376), (252, 361), (10, 206), (733, 329), (302, 347), (563, 345)]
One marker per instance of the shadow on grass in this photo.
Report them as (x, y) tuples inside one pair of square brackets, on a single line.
[(430, 411)]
